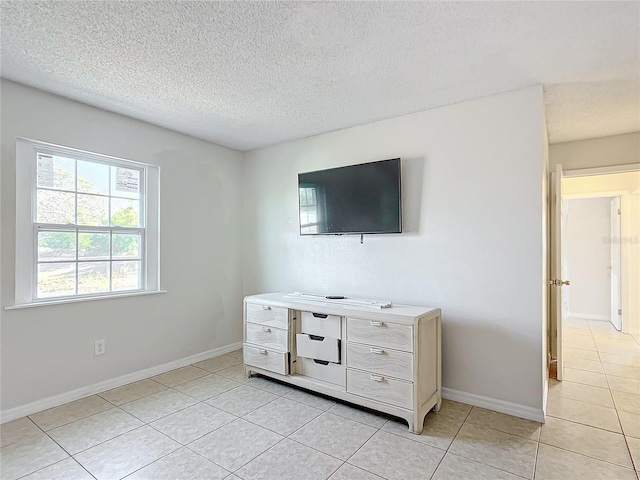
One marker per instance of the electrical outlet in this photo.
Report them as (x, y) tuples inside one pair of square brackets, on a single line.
[(100, 348)]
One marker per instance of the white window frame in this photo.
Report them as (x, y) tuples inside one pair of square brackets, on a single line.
[(27, 227)]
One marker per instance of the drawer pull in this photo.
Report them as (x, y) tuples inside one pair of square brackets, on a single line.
[(377, 378), (320, 315), (378, 351), (376, 324), (262, 351), (266, 307), (266, 329)]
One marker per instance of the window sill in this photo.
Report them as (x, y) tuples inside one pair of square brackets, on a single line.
[(83, 299)]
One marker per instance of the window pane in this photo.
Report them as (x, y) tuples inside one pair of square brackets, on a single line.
[(125, 182), (56, 245), (56, 172), (125, 213), (93, 177), (93, 246), (55, 207), (93, 210), (93, 277), (56, 279), (126, 245), (126, 276), (303, 197)]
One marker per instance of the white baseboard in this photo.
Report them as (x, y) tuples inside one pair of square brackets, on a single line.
[(515, 409), (588, 316), (56, 400)]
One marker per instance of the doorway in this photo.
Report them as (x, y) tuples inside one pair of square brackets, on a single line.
[(606, 214)]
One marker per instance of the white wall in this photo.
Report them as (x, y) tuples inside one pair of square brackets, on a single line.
[(588, 224), (597, 152), (473, 241), (49, 350)]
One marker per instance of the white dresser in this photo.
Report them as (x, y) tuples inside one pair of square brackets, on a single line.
[(386, 359)]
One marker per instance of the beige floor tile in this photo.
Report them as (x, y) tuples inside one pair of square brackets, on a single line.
[(557, 464), (589, 441), (218, 363), (627, 402), (397, 458), (602, 326), (628, 359), (583, 354), (302, 463), (271, 386), (454, 467), (241, 400), (630, 423), (158, 405), (622, 384), (311, 399), (17, 430), (497, 449), (192, 423), (582, 343), (180, 376), (88, 432), (504, 423), (575, 322), (236, 353), (371, 418), (581, 364), (617, 346), (621, 371), (349, 472), (569, 332), (235, 444), (181, 464), (132, 391), (235, 373), (67, 469), (70, 412), (438, 430), (634, 448), (453, 409), (28, 455), (283, 416), (587, 378), (334, 435), (582, 392), (584, 413), (127, 453), (207, 387)]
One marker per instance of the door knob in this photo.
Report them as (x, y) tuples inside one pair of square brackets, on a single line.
[(558, 283)]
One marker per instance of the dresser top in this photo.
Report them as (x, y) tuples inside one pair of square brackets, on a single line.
[(397, 313)]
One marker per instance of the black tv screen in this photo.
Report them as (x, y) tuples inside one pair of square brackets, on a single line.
[(357, 199)]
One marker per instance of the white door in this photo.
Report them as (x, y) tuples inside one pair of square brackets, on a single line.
[(616, 291), (557, 268)]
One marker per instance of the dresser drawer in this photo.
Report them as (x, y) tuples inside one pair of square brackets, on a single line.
[(331, 372), (271, 360), (277, 317), (387, 362), (321, 324), (321, 348), (380, 334), (268, 337), (381, 388)]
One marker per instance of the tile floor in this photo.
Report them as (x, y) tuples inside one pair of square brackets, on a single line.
[(206, 421)]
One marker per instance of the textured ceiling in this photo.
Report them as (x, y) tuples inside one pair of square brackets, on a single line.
[(251, 74)]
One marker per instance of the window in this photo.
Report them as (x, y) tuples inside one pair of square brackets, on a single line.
[(308, 210), (87, 224)]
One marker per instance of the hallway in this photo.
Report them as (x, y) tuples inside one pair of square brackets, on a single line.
[(595, 410)]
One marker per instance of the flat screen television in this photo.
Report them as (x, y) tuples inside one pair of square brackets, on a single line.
[(356, 199)]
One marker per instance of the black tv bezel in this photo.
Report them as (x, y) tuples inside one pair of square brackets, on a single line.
[(400, 212)]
